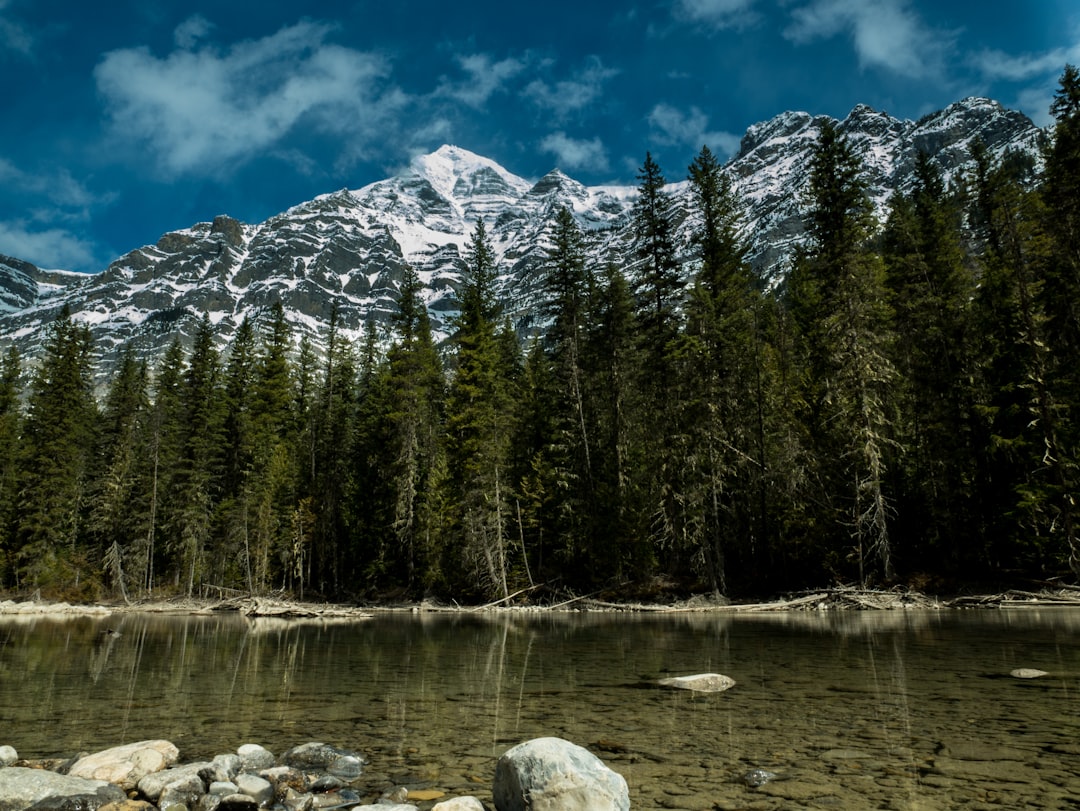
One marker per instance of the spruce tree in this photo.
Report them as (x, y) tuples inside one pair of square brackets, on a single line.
[(837, 297), (118, 510), (931, 287), (713, 510), (10, 420), (479, 431), (54, 468)]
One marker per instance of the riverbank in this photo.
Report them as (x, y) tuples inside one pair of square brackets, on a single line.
[(839, 598)]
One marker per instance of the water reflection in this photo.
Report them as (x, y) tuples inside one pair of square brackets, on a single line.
[(848, 707)]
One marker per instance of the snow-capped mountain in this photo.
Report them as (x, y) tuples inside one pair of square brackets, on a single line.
[(350, 248)]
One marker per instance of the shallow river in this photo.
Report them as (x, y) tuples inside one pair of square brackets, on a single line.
[(851, 710)]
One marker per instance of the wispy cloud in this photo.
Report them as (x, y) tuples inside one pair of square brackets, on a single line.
[(1017, 68), (690, 128), (887, 34), (202, 110), (576, 153), (53, 248), (484, 77), (565, 97), (717, 13), (15, 38)]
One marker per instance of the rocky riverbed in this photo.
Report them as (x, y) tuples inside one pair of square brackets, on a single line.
[(315, 776)]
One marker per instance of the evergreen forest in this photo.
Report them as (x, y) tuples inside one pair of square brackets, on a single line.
[(899, 411)]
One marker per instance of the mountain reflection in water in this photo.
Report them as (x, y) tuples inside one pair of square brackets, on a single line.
[(897, 709)]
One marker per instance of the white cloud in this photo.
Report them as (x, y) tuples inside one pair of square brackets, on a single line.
[(15, 38), (1000, 65), (717, 13), (59, 188), (576, 153), (191, 30), (563, 98), (673, 126), (886, 34), (202, 111), (484, 78), (52, 248)]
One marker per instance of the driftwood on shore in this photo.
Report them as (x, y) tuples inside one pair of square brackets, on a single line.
[(837, 598)]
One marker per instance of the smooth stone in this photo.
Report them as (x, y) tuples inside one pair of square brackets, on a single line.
[(154, 784), (298, 801), (398, 794), (260, 790), (254, 757), (126, 765), (21, 788), (1027, 673), (225, 767), (327, 783), (552, 774), (459, 804), (701, 683), (238, 802), (322, 757), (223, 788), (8, 755), (184, 791)]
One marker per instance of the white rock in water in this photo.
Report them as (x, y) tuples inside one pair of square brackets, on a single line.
[(556, 775), (459, 804), (702, 683), (8, 755), (1027, 673)]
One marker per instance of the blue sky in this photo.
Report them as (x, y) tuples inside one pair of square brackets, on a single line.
[(124, 120)]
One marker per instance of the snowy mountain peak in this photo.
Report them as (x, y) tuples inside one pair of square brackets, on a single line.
[(348, 251), (458, 175)]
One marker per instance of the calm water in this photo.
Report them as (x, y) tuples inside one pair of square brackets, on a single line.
[(890, 710)]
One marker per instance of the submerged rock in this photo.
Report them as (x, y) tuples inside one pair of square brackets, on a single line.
[(551, 773), (319, 756), (758, 777), (701, 683), (1027, 673)]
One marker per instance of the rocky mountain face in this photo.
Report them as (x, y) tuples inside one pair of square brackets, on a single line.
[(350, 248)]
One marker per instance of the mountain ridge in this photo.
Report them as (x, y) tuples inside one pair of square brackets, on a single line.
[(350, 248)]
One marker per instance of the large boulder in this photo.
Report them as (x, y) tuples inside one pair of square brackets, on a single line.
[(21, 788), (126, 765), (551, 774)]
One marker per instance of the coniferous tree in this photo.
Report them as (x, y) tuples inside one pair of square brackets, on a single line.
[(10, 419), (117, 519), (837, 296), (479, 431), (1034, 476), (620, 548), (719, 464), (561, 463), (332, 477), (931, 287), (57, 446), (160, 466), (199, 469)]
